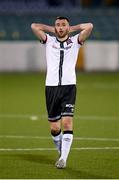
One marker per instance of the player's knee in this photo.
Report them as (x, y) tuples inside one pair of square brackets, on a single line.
[(55, 132), (55, 128)]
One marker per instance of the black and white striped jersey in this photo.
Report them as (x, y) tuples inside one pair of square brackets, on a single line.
[(61, 60)]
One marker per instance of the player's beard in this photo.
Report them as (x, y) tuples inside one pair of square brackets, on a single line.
[(61, 35)]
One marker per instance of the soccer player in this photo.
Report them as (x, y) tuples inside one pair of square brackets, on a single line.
[(61, 55)]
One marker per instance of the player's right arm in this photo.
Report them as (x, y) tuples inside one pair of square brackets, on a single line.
[(85, 30), (40, 30)]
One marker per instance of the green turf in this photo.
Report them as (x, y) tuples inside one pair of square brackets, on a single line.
[(96, 116)]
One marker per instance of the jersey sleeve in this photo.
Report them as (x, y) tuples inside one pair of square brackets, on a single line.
[(76, 40), (48, 39)]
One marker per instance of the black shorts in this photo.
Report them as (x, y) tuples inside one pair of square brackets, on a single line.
[(60, 101)]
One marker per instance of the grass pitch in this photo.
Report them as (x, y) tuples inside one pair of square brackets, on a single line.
[(26, 149)]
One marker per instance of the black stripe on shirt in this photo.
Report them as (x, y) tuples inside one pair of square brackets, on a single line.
[(61, 63)]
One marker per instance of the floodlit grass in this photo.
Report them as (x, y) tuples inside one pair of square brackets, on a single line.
[(24, 130)]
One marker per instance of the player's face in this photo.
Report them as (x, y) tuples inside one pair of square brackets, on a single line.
[(61, 28)]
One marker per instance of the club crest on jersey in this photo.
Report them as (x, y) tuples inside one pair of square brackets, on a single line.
[(69, 41)]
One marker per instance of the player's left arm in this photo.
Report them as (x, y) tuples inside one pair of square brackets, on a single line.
[(85, 30)]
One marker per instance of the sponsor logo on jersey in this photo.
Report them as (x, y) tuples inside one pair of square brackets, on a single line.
[(69, 41), (70, 105)]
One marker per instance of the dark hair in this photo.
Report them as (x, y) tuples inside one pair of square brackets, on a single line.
[(62, 17)]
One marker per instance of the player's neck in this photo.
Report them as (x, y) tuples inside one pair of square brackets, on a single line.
[(63, 39)]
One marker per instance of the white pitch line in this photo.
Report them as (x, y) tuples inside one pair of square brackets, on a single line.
[(53, 149), (96, 139), (15, 115), (99, 85), (27, 149), (44, 116), (20, 116), (46, 138), (96, 148), (25, 137), (92, 117)]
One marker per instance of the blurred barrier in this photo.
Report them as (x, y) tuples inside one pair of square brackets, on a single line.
[(26, 56), (80, 59), (101, 55), (22, 56)]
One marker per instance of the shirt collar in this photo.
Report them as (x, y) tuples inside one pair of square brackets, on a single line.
[(62, 41)]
